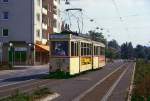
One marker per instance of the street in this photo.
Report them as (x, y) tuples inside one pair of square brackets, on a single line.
[(108, 84)]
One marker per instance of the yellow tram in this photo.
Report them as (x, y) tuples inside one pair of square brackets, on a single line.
[(75, 54)]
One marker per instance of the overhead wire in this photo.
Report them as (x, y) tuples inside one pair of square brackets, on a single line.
[(120, 17)]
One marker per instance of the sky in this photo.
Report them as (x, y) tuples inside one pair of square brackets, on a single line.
[(122, 20)]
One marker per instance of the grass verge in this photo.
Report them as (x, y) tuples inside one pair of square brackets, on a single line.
[(141, 91), (38, 94)]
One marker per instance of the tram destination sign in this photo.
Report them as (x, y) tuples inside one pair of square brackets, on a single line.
[(59, 36)]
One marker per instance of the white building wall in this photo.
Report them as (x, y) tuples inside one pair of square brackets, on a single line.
[(37, 24), (57, 17)]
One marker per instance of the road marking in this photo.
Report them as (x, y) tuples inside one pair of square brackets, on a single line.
[(105, 98), (99, 82), (51, 97), (132, 83)]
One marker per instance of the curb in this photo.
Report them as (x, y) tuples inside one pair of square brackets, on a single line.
[(131, 85), (49, 98)]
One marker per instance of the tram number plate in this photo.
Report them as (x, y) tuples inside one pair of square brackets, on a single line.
[(86, 61)]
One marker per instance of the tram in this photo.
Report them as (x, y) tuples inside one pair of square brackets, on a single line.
[(75, 54)]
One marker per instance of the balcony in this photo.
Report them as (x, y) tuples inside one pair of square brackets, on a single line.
[(55, 30), (44, 11), (44, 41), (44, 26), (55, 16), (55, 3)]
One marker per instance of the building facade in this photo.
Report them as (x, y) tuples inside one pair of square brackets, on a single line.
[(25, 26)]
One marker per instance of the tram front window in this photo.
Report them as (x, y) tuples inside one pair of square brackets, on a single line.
[(59, 48)]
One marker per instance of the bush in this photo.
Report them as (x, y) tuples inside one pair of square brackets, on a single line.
[(137, 98)]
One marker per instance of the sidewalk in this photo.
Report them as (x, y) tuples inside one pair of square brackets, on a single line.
[(28, 66), (23, 69)]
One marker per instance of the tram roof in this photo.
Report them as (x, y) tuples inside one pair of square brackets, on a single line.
[(73, 37)]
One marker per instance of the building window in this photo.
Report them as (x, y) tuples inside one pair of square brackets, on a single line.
[(38, 17), (55, 23), (5, 15), (38, 2), (5, 1), (38, 33), (5, 32)]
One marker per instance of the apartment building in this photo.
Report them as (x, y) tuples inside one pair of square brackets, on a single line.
[(25, 26)]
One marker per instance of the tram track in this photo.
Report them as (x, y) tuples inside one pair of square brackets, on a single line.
[(108, 94), (98, 91)]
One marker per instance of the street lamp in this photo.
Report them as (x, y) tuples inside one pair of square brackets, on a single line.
[(1, 52), (29, 44), (30, 52), (11, 50), (67, 2)]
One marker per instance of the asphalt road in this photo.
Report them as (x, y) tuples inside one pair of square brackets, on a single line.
[(105, 83)]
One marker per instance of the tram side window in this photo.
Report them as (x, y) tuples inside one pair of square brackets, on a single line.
[(74, 49), (95, 50), (85, 49), (102, 51), (99, 50), (59, 48), (82, 49), (88, 49)]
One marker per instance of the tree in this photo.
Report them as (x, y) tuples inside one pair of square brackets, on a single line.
[(130, 51), (113, 50), (97, 36), (140, 52), (127, 51), (113, 44)]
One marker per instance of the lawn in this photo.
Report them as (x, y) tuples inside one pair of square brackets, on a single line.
[(141, 91)]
